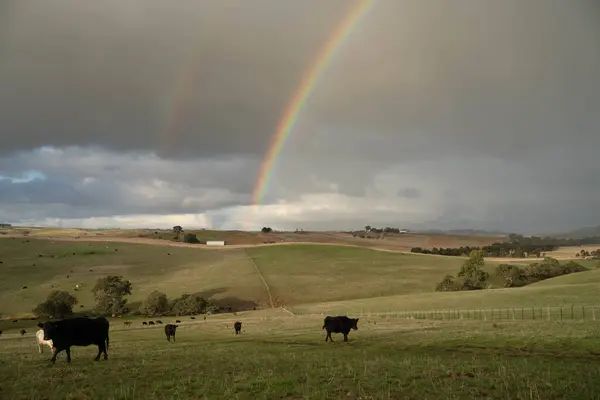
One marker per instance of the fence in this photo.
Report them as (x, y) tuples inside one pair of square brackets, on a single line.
[(567, 313)]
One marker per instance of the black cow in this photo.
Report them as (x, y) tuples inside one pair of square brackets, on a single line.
[(78, 331), (151, 323), (238, 327), (22, 332), (158, 321), (177, 321), (0, 333), (170, 331), (144, 323), (192, 317), (339, 324)]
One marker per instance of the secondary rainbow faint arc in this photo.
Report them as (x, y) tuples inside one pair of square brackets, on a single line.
[(307, 86)]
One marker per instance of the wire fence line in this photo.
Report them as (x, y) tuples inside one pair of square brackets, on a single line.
[(557, 313)]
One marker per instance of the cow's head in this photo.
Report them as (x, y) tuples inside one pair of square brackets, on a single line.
[(354, 323), (49, 328)]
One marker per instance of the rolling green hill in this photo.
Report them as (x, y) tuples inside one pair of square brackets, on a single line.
[(303, 276)]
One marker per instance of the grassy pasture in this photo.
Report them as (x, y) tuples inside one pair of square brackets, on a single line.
[(296, 274), (286, 357), (228, 277), (576, 289)]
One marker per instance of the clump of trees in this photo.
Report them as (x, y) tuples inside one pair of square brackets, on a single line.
[(58, 304), (191, 238), (266, 229), (470, 277), (157, 303), (473, 277), (594, 254), (110, 293)]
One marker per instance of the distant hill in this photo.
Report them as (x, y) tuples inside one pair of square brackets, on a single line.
[(466, 232), (590, 231)]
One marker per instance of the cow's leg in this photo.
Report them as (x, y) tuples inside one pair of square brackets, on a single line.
[(53, 359), (173, 336), (345, 337), (104, 351), (68, 351), (99, 352), (40, 348)]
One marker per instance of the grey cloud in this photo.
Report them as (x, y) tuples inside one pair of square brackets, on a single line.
[(485, 112), (93, 183)]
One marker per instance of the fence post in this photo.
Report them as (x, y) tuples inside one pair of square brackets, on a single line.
[(533, 311), (583, 312), (572, 317), (484, 314), (561, 313), (549, 317), (513, 310), (522, 313)]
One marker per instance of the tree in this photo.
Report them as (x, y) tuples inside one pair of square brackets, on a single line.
[(472, 270), (189, 304), (58, 304), (368, 228), (190, 238), (110, 293), (156, 303), (177, 230), (266, 229)]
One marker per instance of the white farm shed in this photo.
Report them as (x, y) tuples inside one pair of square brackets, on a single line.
[(215, 243)]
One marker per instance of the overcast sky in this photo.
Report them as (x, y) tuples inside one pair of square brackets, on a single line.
[(477, 114)]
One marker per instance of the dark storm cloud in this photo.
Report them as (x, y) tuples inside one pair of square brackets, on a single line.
[(106, 73)]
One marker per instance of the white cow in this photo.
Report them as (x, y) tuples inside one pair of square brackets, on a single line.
[(40, 341)]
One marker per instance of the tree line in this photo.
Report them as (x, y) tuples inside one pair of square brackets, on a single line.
[(110, 295), (515, 246)]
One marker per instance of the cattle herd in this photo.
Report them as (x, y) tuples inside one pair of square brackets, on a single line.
[(83, 331)]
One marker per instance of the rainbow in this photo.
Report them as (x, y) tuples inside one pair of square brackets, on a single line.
[(307, 86)]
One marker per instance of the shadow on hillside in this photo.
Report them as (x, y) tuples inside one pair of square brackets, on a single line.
[(235, 303)]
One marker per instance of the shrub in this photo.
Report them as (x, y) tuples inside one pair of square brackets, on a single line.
[(190, 238), (447, 284), (59, 304)]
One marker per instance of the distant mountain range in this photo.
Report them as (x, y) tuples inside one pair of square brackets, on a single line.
[(465, 232)]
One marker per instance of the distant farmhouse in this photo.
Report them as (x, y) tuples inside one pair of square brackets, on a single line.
[(4, 225)]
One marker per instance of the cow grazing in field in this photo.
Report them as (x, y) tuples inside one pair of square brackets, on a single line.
[(238, 327), (192, 317), (78, 331), (151, 323), (127, 323), (144, 323), (158, 321), (22, 332), (339, 324), (170, 331), (39, 335), (177, 321)]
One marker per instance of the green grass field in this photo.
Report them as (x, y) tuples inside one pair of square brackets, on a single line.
[(282, 355), (286, 357)]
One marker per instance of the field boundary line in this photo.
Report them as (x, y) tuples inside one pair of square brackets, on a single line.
[(262, 278)]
